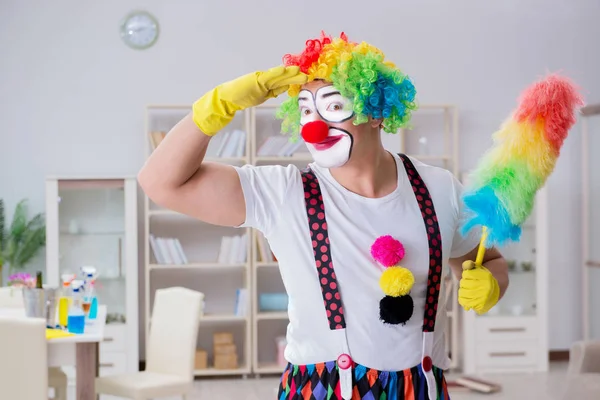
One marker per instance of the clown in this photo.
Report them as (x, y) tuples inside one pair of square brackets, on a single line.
[(363, 236)]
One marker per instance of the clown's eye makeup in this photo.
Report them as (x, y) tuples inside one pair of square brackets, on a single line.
[(308, 113), (332, 106), (335, 107)]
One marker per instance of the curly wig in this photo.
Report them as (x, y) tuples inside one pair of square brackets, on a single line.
[(360, 72)]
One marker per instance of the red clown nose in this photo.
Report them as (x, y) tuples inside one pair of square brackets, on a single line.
[(315, 132)]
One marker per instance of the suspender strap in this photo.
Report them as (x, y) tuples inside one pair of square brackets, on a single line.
[(434, 238), (315, 209)]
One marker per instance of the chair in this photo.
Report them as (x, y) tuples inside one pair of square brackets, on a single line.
[(584, 357), (24, 360), (170, 350), (13, 298)]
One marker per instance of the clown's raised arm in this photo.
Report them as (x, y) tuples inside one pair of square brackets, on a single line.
[(176, 176), (362, 235)]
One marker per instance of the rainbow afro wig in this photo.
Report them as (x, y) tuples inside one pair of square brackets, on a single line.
[(360, 72)]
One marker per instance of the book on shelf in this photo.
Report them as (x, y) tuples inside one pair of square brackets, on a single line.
[(264, 250), (241, 302), (234, 249), (229, 144), (156, 137), (167, 250), (279, 146)]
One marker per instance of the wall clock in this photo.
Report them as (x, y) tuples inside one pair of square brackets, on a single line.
[(139, 30)]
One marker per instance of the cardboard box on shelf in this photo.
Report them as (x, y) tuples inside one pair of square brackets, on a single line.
[(226, 361), (201, 359), (222, 338), (225, 349)]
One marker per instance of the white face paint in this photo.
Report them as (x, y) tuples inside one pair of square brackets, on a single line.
[(330, 106)]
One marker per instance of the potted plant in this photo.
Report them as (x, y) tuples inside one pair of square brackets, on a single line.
[(22, 240)]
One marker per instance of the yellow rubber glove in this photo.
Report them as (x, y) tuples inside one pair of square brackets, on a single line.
[(213, 111), (478, 289)]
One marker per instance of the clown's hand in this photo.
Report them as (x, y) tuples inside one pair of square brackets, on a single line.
[(478, 289), (213, 111)]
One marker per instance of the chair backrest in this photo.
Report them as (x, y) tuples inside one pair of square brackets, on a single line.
[(11, 297), (584, 357), (23, 359), (173, 334)]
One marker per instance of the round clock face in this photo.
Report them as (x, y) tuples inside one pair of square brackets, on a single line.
[(139, 30)]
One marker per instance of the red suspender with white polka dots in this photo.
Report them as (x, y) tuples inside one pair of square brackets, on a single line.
[(434, 238), (320, 242)]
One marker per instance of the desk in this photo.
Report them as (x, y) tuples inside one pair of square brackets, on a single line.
[(79, 350)]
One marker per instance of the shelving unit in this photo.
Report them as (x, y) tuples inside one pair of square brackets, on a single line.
[(204, 264), (261, 273), (430, 123)]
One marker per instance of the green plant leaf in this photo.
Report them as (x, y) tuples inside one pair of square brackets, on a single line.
[(19, 222), (32, 241), (24, 239)]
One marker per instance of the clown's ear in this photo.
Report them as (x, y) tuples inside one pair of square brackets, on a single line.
[(376, 122)]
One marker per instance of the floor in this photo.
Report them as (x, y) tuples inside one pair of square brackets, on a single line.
[(547, 386)]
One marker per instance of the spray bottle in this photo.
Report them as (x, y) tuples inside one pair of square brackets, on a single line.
[(76, 320), (90, 302)]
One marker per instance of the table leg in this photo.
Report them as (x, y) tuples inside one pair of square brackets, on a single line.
[(86, 358)]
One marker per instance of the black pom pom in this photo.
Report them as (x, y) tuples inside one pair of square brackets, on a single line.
[(396, 310)]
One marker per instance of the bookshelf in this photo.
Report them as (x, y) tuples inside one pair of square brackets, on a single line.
[(182, 251), (266, 320)]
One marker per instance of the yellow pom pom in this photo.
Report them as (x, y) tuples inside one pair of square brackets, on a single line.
[(396, 281)]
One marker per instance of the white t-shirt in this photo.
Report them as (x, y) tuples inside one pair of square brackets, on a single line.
[(275, 206)]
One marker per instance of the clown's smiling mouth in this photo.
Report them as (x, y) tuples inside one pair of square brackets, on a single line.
[(328, 142)]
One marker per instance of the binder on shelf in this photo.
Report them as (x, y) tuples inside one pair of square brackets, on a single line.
[(234, 249), (229, 144), (278, 146), (167, 250), (241, 302)]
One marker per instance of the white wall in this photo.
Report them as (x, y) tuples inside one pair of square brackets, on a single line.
[(72, 95)]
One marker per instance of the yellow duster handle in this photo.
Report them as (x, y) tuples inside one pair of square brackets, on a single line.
[(480, 252)]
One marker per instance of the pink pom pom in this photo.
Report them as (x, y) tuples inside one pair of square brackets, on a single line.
[(387, 251)]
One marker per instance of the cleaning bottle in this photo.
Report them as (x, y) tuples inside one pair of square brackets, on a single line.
[(94, 306), (76, 320), (90, 303), (64, 300)]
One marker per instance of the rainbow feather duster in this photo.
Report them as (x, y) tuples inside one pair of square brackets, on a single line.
[(502, 191)]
